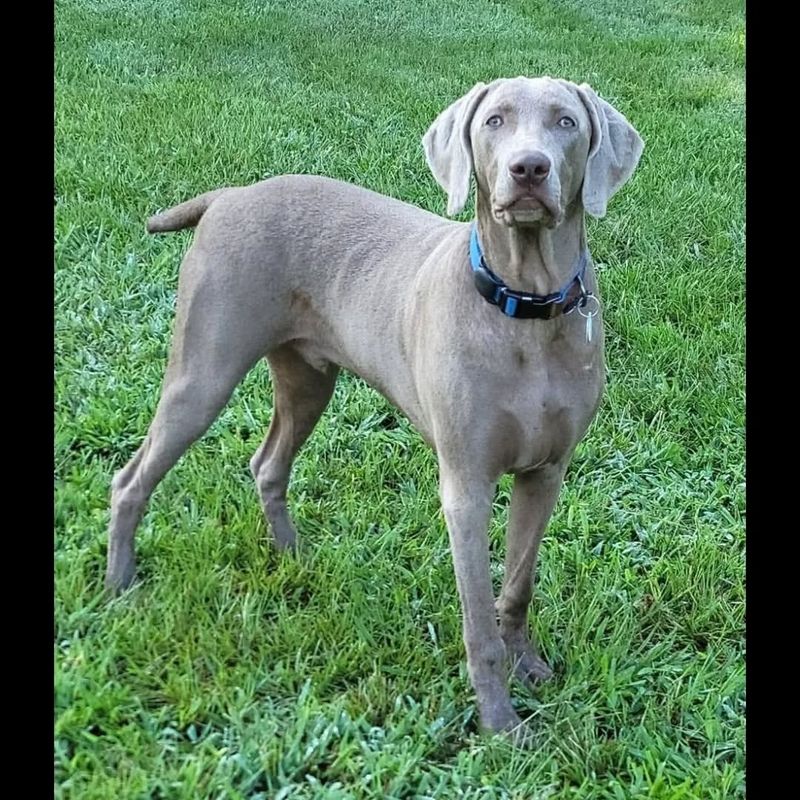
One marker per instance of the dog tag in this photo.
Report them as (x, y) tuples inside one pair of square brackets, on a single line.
[(590, 315)]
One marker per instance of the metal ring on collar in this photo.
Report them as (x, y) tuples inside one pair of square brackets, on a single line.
[(594, 311)]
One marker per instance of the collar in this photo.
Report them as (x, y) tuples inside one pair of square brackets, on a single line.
[(526, 305)]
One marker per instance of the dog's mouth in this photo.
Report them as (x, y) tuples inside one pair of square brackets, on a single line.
[(526, 204), (526, 210)]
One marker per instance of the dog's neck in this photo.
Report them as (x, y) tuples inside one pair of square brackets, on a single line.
[(532, 258)]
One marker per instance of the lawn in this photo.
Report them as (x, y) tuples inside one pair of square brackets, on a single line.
[(231, 672)]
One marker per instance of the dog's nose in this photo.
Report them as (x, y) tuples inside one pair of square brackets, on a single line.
[(530, 169)]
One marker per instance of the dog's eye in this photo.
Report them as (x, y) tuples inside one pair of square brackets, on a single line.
[(495, 121), (566, 122)]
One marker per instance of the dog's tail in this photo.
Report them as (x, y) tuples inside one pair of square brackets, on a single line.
[(185, 215)]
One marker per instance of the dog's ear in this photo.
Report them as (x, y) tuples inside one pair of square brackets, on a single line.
[(448, 149), (614, 152)]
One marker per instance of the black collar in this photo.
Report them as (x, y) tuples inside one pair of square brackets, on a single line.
[(526, 305)]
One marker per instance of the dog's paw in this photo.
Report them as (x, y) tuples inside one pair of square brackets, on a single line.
[(531, 668), (499, 717), (520, 736), (117, 582), (505, 722), (120, 570)]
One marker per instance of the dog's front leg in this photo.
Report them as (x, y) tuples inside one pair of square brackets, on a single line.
[(467, 506), (532, 502)]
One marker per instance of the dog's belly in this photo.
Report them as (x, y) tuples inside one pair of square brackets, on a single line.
[(392, 380)]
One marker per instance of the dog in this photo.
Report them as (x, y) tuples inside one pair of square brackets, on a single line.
[(486, 335)]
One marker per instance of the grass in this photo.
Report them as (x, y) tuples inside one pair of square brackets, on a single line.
[(230, 672)]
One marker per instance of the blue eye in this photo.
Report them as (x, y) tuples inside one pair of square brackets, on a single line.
[(566, 122), (495, 121)]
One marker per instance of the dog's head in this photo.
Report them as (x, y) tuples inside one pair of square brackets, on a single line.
[(535, 146)]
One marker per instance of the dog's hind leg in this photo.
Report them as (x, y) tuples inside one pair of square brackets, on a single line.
[(214, 345), (300, 393)]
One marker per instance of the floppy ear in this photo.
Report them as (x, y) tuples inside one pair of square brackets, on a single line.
[(448, 149), (614, 152)]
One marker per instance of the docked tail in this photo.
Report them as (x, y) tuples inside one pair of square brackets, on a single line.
[(185, 215)]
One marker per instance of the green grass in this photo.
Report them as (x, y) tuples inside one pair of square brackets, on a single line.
[(229, 672)]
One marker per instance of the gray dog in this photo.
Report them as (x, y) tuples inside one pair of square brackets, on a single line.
[(487, 336)]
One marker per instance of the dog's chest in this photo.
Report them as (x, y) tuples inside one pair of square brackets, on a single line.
[(547, 408)]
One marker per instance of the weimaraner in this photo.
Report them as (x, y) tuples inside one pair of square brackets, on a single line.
[(488, 336)]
